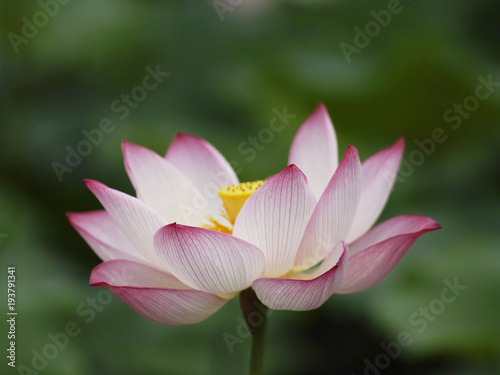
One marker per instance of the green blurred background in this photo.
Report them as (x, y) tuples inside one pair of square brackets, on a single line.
[(226, 77)]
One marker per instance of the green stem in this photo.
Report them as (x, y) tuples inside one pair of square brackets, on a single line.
[(255, 314)]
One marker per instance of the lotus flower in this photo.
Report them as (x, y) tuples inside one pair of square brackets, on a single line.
[(195, 238)]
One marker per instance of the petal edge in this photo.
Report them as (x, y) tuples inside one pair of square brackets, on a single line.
[(368, 266), (314, 149)]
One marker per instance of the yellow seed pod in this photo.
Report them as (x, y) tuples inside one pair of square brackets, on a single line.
[(234, 197)]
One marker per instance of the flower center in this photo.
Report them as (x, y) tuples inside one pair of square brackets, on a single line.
[(234, 197)]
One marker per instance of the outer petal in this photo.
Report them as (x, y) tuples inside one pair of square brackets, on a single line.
[(201, 163), (334, 213), (208, 260), (314, 150), (136, 220), (379, 174), (154, 294), (377, 252), (301, 295), (103, 235), (163, 187), (275, 216)]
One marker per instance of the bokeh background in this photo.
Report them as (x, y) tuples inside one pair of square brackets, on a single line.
[(226, 77)]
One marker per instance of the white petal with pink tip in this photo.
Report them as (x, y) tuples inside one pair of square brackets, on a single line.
[(378, 251), (163, 187), (154, 294), (103, 235), (314, 150), (379, 174), (201, 163), (136, 220), (208, 260), (334, 213), (275, 216)]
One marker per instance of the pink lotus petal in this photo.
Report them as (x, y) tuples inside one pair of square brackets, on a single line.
[(208, 260), (163, 187), (136, 220), (201, 163), (156, 295), (275, 216), (379, 174), (121, 272), (302, 295), (405, 224), (314, 150), (103, 235), (378, 251), (334, 213)]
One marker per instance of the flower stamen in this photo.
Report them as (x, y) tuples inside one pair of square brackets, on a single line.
[(215, 225)]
